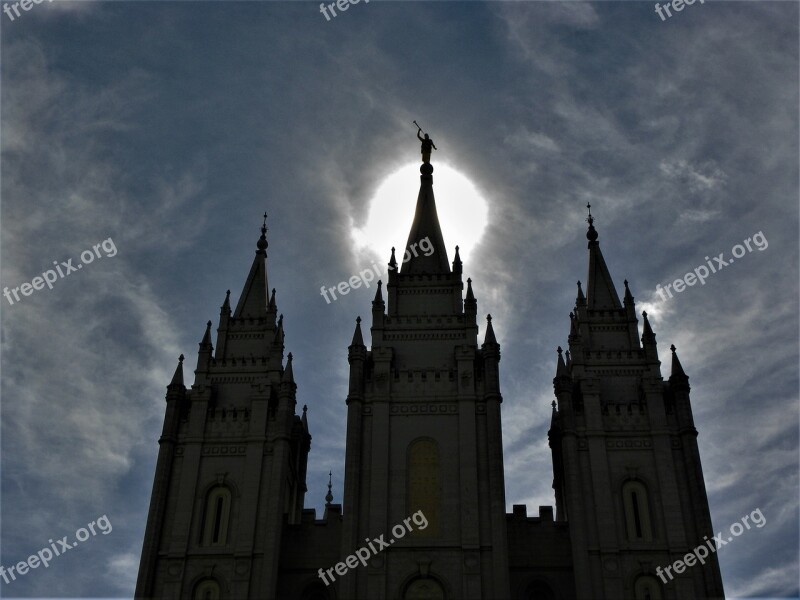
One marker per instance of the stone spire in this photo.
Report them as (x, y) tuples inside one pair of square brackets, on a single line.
[(677, 378), (177, 377), (489, 339), (426, 225), (253, 301), (457, 264), (600, 291), (358, 339), (288, 372)]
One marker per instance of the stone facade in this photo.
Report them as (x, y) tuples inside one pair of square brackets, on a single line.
[(424, 437)]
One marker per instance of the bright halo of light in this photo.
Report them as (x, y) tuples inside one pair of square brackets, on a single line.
[(462, 212)]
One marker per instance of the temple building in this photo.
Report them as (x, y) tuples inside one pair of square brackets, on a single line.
[(227, 517)]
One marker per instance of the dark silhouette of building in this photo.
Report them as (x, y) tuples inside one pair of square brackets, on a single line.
[(226, 517)]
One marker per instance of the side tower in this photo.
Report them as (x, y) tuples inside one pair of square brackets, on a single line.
[(232, 459), (424, 433), (627, 472)]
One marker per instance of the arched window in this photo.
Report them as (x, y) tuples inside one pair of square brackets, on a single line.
[(208, 589), (539, 590), (637, 511), (216, 517), (424, 588), (424, 487), (647, 588)]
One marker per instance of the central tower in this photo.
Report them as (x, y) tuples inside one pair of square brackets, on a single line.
[(424, 432)]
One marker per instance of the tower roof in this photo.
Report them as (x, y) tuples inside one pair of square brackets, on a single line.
[(600, 291), (426, 225), (253, 301), (177, 377), (358, 339)]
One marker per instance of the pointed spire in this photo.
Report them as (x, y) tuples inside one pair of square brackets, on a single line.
[(561, 369), (358, 339), (489, 338), (647, 331), (457, 266), (600, 291), (253, 301), (470, 295), (304, 418), (426, 227), (279, 334), (569, 359), (553, 416), (206, 341), (329, 495), (225, 309), (573, 325), (677, 368), (273, 306), (378, 294), (205, 350), (177, 378), (288, 374), (628, 295), (392, 261), (470, 304), (581, 299)]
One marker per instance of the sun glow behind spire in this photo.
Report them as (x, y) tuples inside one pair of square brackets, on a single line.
[(463, 212)]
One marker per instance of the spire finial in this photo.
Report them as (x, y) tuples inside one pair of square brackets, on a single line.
[(329, 495), (180, 359), (591, 235), (673, 348), (262, 241)]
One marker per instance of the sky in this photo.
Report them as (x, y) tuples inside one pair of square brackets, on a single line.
[(160, 132)]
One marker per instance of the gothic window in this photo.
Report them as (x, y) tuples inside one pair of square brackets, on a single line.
[(208, 589), (637, 511), (216, 517), (424, 588), (647, 588), (424, 486)]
